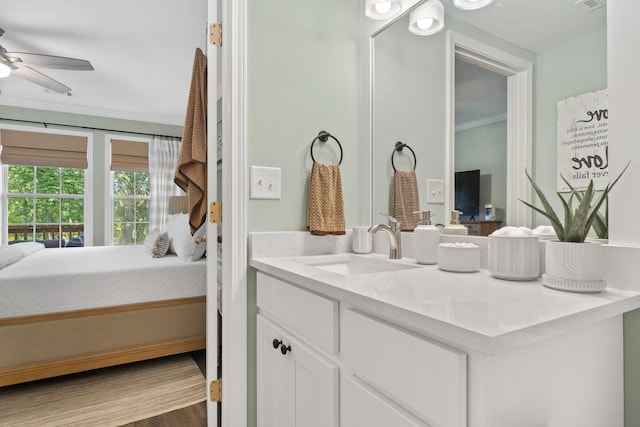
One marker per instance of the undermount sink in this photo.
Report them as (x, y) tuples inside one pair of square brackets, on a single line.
[(351, 265)]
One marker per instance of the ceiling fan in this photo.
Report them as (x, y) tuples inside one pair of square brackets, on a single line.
[(19, 64)]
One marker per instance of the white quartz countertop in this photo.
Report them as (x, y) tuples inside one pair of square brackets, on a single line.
[(470, 310)]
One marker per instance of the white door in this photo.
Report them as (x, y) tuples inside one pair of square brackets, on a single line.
[(296, 386), (213, 231), (226, 181)]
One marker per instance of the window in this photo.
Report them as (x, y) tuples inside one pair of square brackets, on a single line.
[(129, 191), (130, 207), (45, 180)]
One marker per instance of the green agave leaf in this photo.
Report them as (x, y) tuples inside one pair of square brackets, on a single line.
[(549, 212), (579, 227), (604, 196), (555, 223), (600, 222), (566, 206), (600, 226)]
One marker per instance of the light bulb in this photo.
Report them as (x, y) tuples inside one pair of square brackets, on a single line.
[(383, 7), (424, 24), (427, 19), (471, 4), (5, 70)]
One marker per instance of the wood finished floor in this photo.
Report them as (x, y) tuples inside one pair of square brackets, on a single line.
[(191, 416)]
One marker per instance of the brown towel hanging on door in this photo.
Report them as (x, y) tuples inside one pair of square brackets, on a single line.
[(191, 171), (325, 209)]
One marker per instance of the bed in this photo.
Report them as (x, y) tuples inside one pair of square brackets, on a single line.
[(67, 310)]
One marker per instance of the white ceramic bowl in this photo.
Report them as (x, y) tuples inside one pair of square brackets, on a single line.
[(514, 258), (459, 259)]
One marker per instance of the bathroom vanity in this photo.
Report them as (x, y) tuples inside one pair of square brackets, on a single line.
[(352, 340)]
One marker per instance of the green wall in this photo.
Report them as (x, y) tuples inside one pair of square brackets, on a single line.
[(100, 175), (568, 70), (303, 74)]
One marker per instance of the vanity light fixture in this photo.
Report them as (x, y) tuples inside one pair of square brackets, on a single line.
[(427, 18), (471, 4), (382, 9), (5, 70)]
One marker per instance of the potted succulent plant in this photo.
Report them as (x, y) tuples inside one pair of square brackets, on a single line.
[(571, 264)]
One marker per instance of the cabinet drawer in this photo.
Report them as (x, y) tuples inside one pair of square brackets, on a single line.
[(359, 406), (427, 378), (311, 317)]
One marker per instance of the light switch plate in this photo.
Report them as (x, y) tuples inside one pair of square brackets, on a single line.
[(435, 191), (265, 183)]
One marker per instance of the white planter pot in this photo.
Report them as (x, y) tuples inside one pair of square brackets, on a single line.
[(514, 258), (574, 267)]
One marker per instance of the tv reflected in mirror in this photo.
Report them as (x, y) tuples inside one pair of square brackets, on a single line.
[(467, 193)]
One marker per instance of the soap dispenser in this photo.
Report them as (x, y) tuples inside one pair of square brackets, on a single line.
[(426, 238), (455, 227)]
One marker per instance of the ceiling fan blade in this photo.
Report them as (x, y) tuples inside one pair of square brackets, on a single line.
[(40, 79), (50, 61)]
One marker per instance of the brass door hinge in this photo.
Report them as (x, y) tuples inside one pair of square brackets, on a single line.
[(215, 390), (215, 212), (215, 34)]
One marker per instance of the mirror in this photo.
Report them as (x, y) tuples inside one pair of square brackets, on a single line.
[(413, 99)]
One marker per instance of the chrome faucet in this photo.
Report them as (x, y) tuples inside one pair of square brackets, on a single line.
[(395, 238)]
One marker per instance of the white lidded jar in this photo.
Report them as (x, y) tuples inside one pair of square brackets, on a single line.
[(455, 227), (426, 238)]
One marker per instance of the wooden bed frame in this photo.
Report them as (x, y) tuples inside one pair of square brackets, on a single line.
[(49, 345)]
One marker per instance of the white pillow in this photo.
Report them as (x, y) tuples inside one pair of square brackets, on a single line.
[(10, 254), (157, 243), (28, 248), (181, 242)]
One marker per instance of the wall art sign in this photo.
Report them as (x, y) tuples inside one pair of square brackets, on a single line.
[(583, 147)]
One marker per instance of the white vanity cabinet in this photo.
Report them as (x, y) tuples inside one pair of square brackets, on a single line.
[(388, 376), (296, 384), (425, 347)]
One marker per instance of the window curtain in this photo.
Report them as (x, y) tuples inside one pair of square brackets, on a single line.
[(163, 158)]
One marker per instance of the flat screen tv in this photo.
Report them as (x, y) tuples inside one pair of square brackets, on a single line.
[(467, 193)]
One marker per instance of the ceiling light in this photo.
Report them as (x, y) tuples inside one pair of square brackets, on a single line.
[(5, 70), (427, 19), (382, 9), (471, 4)]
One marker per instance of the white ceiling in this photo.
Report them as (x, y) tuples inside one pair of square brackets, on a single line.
[(142, 52), (536, 25), (481, 95)]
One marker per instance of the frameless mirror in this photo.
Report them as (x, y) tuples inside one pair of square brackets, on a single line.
[(455, 117)]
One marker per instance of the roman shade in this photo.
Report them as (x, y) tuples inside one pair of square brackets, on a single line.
[(131, 156), (43, 149)]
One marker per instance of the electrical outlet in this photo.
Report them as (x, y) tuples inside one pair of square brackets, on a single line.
[(265, 183), (435, 191)]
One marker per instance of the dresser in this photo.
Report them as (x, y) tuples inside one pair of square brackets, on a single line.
[(481, 228)]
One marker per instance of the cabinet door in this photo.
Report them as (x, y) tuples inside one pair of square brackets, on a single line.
[(273, 391), (361, 406), (298, 388)]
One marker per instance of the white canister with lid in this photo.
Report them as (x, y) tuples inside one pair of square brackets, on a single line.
[(426, 238)]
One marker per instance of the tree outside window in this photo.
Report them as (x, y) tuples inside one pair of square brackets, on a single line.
[(130, 207), (45, 204)]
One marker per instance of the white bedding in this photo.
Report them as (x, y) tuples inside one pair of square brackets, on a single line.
[(67, 279)]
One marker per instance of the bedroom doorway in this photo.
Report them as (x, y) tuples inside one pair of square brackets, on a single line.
[(214, 263), (226, 272), (519, 119)]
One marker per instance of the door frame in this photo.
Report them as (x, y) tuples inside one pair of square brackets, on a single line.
[(519, 73), (234, 212)]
